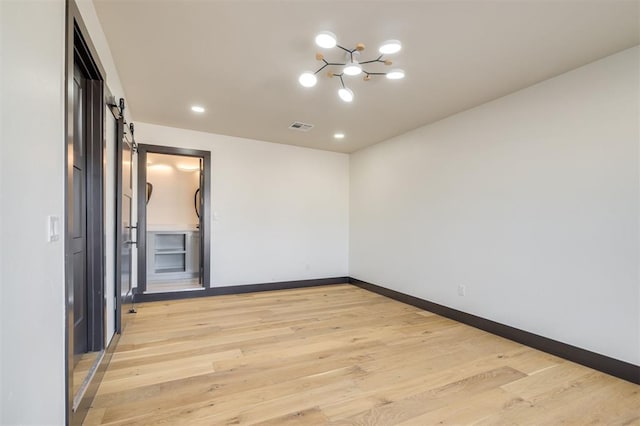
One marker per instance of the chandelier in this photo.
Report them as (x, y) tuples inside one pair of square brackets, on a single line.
[(351, 64)]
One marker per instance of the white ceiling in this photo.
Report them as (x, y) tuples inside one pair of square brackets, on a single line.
[(241, 60)]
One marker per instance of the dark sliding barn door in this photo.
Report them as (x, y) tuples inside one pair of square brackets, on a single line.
[(78, 215), (126, 227), (85, 215), (127, 220)]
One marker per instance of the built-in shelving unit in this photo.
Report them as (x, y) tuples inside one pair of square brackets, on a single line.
[(172, 255)]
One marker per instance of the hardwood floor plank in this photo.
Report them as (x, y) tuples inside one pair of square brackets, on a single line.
[(338, 355), (94, 417), (418, 404), (570, 404), (311, 416), (466, 411), (547, 380)]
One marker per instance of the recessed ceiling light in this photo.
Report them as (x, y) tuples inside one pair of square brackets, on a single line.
[(197, 108), (389, 47), (339, 135)]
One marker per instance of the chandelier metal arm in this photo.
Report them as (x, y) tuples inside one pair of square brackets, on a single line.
[(349, 51), (341, 80), (334, 63), (322, 67), (326, 64), (378, 59)]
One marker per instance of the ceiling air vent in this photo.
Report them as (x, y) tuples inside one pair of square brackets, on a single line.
[(302, 127)]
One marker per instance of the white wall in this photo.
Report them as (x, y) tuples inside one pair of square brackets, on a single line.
[(32, 171), (31, 269), (280, 212), (531, 201), (172, 200), (99, 40)]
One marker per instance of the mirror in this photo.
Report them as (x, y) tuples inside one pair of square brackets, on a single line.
[(149, 191)]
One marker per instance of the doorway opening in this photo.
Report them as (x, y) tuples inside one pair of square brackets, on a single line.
[(173, 209)]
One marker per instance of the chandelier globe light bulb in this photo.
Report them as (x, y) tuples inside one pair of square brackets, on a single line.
[(345, 94), (308, 79), (326, 40), (390, 47), (352, 68), (395, 74)]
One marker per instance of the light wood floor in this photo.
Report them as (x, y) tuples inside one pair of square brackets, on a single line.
[(339, 355), (82, 369)]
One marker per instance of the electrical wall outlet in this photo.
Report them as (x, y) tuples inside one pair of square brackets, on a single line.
[(462, 290)]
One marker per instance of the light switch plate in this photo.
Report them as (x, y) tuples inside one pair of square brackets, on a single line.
[(53, 228)]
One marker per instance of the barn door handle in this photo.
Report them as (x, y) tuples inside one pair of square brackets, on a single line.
[(132, 242)]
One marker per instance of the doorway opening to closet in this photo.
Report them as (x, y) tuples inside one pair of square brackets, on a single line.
[(173, 209)]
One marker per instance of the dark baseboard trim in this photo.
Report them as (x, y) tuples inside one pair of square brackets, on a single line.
[(237, 289), (77, 417), (612, 366)]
